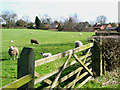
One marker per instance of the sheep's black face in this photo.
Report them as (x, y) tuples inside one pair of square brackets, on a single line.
[(41, 53), (11, 48)]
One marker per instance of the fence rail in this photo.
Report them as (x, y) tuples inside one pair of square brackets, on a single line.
[(18, 83), (27, 57), (61, 55)]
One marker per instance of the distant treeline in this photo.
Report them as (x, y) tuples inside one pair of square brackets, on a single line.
[(9, 19)]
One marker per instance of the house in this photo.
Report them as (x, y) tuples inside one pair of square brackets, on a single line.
[(101, 26), (114, 28), (54, 25), (46, 26)]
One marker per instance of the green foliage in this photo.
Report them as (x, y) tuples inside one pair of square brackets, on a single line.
[(9, 18), (21, 22), (60, 27), (37, 22), (113, 24)]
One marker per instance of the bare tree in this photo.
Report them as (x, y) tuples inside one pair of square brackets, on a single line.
[(70, 23), (26, 19), (101, 19), (8, 17)]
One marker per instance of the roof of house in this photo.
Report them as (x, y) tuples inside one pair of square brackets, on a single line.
[(111, 28), (99, 25)]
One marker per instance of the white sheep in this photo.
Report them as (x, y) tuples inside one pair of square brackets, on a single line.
[(80, 34), (31, 32), (78, 44), (11, 41), (95, 31), (13, 50), (45, 54)]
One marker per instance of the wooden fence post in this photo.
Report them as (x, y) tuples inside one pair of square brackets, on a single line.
[(26, 64), (97, 61)]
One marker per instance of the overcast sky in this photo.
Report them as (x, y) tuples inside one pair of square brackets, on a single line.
[(87, 10)]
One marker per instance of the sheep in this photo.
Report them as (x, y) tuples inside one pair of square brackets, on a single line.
[(45, 54), (13, 50), (80, 34), (11, 41), (78, 44), (95, 31), (34, 41), (31, 32)]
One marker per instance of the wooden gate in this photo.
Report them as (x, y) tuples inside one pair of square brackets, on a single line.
[(30, 77)]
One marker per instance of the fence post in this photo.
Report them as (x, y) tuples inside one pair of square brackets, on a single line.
[(97, 61), (26, 66)]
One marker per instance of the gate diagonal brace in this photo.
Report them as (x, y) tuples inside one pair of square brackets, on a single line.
[(83, 65), (65, 64), (76, 79), (86, 55)]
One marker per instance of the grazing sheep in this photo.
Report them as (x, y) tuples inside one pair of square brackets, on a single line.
[(45, 54), (80, 34), (78, 44), (31, 32), (13, 51), (95, 31), (34, 41), (11, 41)]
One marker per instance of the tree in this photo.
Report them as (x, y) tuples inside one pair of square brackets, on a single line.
[(70, 23), (113, 24), (26, 19), (60, 27), (21, 22), (37, 22), (8, 17), (101, 19)]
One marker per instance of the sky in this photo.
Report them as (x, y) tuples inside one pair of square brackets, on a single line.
[(86, 10)]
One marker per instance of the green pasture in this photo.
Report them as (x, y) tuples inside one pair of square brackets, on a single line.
[(49, 41)]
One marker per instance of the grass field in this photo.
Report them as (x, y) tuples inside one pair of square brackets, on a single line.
[(49, 41)]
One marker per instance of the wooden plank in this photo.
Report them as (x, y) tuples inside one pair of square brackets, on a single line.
[(26, 66), (52, 73), (18, 83), (86, 80), (37, 80), (101, 61), (60, 55), (69, 75), (97, 57), (83, 64), (76, 78), (46, 80), (87, 54), (64, 66), (80, 77)]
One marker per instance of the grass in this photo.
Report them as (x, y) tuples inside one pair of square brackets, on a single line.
[(109, 80), (50, 41)]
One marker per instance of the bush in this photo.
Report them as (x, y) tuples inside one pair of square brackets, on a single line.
[(110, 51)]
